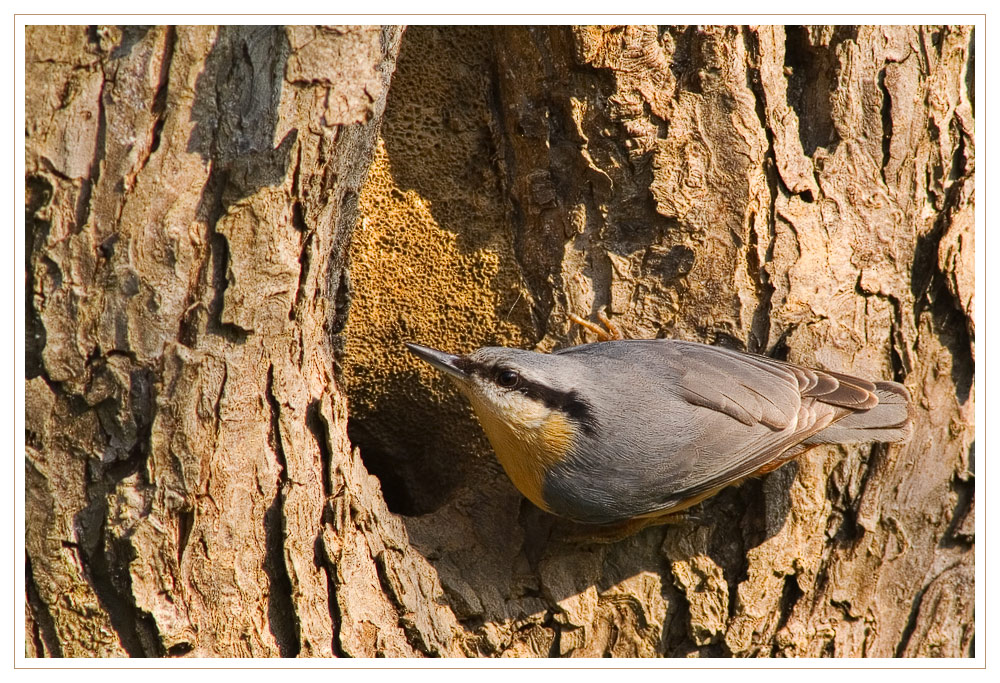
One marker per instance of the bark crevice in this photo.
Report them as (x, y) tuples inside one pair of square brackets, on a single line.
[(45, 630)]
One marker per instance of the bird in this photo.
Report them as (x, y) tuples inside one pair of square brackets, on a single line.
[(634, 431)]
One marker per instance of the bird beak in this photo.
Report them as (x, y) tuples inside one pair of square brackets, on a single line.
[(445, 362)]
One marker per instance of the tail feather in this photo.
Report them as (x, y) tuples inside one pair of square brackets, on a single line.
[(889, 421)]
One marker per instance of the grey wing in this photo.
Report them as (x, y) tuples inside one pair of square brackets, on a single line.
[(756, 389), (776, 404), (793, 402)]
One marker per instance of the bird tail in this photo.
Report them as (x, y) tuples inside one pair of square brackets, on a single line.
[(889, 421)]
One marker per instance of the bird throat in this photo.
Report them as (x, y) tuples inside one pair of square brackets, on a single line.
[(527, 450)]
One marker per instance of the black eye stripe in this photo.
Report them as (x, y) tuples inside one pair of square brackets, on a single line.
[(569, 402)]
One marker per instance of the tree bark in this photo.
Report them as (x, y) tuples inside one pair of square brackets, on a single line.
[(231, 231)]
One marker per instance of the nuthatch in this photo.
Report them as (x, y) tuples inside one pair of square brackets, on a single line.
[(630, 430)]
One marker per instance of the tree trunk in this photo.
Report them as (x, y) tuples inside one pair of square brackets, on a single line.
[(218, 288)]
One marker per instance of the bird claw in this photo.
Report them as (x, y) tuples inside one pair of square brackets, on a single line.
[(610, 331), (611, 533)]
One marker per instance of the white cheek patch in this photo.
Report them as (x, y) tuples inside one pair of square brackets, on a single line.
[(512, 408), (523, 411)]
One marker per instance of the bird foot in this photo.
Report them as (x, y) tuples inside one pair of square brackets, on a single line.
[(610, 533), (610, 331)]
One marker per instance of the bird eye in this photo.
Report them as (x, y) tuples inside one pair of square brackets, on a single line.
[(507, 378)]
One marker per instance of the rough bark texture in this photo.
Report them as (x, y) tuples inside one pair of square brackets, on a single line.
[(217, 300)]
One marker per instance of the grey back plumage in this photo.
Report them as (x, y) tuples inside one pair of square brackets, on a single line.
[(676, 419)]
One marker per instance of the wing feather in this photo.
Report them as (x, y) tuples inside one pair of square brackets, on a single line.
[(775, 406)]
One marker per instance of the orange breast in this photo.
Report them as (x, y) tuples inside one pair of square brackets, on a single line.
[(526, 448)]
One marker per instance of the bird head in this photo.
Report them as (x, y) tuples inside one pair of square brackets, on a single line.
[(521, 390)]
